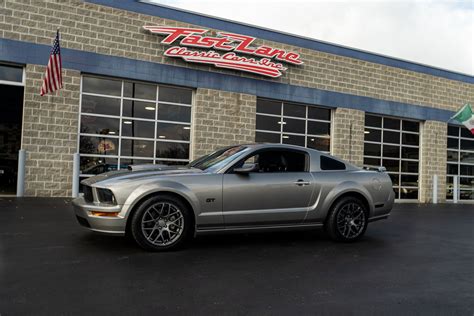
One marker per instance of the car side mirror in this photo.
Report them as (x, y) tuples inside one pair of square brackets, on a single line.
[(246, 168)]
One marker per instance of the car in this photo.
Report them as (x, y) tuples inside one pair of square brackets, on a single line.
[(241, 188)]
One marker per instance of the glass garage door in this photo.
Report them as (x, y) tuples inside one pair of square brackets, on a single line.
[(12, 81), (295, 124), (394, 144), (126, 122), (460, 162)]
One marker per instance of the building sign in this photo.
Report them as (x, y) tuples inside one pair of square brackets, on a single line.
[(225, 51)]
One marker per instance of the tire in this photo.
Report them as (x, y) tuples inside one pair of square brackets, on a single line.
[(347, 220), (162, 223)]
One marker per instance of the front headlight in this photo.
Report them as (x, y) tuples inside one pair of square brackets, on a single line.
[(106, 196)]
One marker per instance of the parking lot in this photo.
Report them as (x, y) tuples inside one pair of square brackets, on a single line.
[(420, 261)]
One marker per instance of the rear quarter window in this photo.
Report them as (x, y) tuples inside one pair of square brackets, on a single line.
[(327, 163)]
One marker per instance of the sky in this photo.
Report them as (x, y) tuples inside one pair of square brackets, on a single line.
[(436, 33)]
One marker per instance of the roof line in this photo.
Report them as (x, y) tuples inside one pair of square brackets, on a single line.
[(164, 11), (151, 2)]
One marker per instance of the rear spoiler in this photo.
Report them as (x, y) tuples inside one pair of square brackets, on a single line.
[(375, 168)]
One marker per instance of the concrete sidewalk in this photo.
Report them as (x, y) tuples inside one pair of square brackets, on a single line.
[(420, 261)]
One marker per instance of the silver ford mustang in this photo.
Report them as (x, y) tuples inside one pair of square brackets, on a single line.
[(240, 188)]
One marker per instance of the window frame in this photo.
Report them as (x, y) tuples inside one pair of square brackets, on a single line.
[(239, 162), (458, 163), (398, 187), (305, 119), (15, 83), (119, 137)]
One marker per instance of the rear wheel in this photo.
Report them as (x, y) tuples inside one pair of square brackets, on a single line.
[(161, 223), (347, 220)]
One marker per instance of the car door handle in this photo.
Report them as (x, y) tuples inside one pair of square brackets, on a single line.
[(301, 182)]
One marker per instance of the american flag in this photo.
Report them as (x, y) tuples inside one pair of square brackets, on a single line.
[(53, 79)]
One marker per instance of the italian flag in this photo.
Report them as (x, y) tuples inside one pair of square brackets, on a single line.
[(466, 116)]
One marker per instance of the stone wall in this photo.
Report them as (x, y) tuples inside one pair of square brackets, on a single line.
[(433, 160), (109, 31), (348, 135), (50, 125), (222, 118)]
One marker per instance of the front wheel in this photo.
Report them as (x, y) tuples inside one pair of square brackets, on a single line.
[(161, 223), (347, 220)]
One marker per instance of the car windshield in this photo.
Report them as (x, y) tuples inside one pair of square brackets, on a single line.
[(218, 159)]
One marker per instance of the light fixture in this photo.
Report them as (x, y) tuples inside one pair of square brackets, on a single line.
[(280, 122), (161, 136), (366, 132), (312, 139), (127, 122), (104, 214), (149, 108), (112, 133), (187, 127), (284, 136)]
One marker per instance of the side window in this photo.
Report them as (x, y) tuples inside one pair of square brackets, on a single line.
[(331, 164), (278, 161)]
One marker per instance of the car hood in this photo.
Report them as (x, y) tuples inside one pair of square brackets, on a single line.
[(139, 174)]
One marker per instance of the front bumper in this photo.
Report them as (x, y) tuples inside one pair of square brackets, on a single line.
[(108, 225)]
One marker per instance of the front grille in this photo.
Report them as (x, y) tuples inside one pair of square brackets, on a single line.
[(87, 190)]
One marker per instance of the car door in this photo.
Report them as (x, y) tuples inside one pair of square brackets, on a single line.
[(278, 192)]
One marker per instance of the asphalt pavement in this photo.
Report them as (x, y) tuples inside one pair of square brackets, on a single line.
[(418, 262)]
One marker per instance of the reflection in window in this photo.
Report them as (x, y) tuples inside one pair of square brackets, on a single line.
[(99, 125), (295, 124), (172, 150), (102, 86), (139, 109), (11, 73), (100, 105), (139, 91), (136, 148), (98, 145), (137, 128)]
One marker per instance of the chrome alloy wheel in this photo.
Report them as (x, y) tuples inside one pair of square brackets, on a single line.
[(351, 220), (162, 224)]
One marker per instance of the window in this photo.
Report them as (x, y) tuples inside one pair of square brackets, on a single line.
[(460, 162), (291, 123), (394, 144), (11, 121), (271, 161), (125, 122), (327, 163), (11, 75)]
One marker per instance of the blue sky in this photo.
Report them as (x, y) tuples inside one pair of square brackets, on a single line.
[(436, 33)]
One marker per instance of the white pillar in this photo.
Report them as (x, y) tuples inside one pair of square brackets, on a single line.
[(455, 189), (75, 175), (20, 182), (435, 189)]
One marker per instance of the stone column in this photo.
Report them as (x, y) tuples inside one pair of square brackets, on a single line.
[(348, 135), (433, 160), (49, 135), (220, 119)]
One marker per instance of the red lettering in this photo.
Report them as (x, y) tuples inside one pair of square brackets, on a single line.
[(245, 41), (174, 32), (293, 58)]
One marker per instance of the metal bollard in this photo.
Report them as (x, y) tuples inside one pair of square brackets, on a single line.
[(20, 182), (455, 189), (435, 189), (75, 175)]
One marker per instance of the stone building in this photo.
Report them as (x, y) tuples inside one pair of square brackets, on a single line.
[(189, 83)]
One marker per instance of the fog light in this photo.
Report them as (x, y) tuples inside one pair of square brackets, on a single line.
[(104, 214)]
